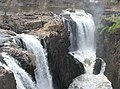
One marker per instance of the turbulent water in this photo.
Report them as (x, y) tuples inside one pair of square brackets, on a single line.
[(22, 78), (42, 75), (83, 48), (4, 37)]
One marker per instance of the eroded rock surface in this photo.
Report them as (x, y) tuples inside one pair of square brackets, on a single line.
[(110, 52), (53, 34), (7, 80)]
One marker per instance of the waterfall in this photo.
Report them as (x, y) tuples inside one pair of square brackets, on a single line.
[(84, 50), (42, 75), (22, 78)]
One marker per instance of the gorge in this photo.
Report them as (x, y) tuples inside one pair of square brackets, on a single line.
[(43, 50)]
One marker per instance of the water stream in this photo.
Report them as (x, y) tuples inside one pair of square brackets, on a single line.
[(22, 78), (42, 74)]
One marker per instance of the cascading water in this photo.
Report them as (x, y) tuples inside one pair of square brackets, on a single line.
[(23, 80), (42, 75), (85, 52)]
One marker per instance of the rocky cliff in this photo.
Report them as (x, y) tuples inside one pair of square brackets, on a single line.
[(53, 34), (108, 48)]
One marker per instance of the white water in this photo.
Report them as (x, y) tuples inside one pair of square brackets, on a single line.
[(42, 75), (22, 78), (85, 52)]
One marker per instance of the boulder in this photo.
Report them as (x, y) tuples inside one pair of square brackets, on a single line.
[(7, 80), (97, 66)]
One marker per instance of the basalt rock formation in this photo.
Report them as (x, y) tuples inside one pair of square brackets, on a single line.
[(108, 48), (62, 65), (112, 59), (53, 34)]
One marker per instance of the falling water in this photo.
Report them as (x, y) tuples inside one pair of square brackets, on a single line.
[(42, 75), (85, 52), (23, 80)]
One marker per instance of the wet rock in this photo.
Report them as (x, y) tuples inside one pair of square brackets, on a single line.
[(55, 37), (97, 66), (62, 65), (26, 59), (7, 80), (5, 36), (111, 55), (20, 43), (1, 60)]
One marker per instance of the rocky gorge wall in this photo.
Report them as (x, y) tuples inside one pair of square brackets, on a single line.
[(54, 36), (108, 48)]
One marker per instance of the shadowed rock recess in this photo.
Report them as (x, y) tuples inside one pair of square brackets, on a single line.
[(54, 36), (108, 48)]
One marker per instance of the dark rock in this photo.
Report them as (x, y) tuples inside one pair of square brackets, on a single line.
[(7, 80), (20, 43), (2, 61), (2, 1), (97, 66), (43, 43), (71, 10), (111, 55), (63, 66), (107, 23)]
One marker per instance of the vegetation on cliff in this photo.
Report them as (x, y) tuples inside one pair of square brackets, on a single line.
[(111, 24)]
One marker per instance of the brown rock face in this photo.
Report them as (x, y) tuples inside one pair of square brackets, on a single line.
[(111, 55), (55, 37), (63, 66), (7, 80)]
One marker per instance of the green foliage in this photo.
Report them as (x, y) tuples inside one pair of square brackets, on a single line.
[(113, 3), (114, 26)]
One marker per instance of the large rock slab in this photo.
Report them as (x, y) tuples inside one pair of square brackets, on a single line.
[(7, 79)]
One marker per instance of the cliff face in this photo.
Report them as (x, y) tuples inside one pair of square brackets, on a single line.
[(63, 66), (54, 36), (111, 54), (113, 59)]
